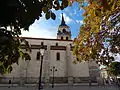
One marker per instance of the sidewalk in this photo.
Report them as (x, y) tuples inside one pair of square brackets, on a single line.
[(61, 84), (63, 88)]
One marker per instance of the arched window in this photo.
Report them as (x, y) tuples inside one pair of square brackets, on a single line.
[(66, 38), (56, 44), (64, 30), (61, 38), (57, 56)]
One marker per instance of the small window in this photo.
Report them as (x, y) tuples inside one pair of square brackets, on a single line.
[(42, 43), (56, 44), (38, 56), (66, 38), (62, 38), (59, 31), (57, 56)]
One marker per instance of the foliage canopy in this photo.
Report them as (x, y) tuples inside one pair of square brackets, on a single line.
[(99, 37), (114, 68), (18, 15)]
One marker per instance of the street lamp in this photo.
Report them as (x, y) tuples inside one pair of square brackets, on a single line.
[(53, 69), (42, 50)]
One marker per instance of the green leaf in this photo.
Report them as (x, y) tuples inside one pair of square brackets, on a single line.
[(64, 3), (53, 16), (1, 69), (47, 16), (45, 9), (27, 56), (10, 69)]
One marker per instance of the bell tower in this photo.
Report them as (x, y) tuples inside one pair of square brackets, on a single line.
[(64, 32)]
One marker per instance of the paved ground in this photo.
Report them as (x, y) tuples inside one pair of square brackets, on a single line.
[(64, 88)]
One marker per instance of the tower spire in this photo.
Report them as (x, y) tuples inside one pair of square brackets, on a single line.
[(64, 32), (63, 21)]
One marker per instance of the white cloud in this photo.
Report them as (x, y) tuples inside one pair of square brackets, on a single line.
[(79, 21), (39, 33), (38, 30), (66, 18)]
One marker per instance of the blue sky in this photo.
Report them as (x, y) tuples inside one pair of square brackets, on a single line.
[(43, 28)]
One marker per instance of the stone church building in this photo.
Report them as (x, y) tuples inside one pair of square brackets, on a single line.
[(58, 56)]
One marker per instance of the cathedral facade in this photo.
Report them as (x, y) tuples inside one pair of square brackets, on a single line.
[(58, 56)]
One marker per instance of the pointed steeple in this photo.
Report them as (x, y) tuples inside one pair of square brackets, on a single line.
[(63, 21), (64, 32)]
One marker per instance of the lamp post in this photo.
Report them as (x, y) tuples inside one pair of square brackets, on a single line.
[(42, 50), (53, 69)]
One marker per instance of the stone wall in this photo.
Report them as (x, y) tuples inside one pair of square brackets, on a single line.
[(34, 80), (65, 66)]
